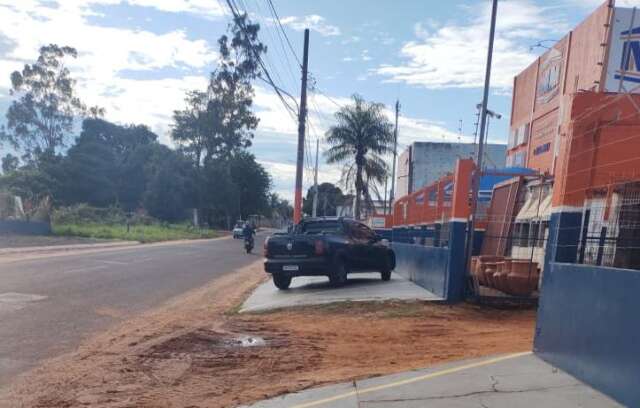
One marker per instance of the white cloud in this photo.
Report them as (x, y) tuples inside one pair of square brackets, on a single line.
[(313, 22), (207, 8), (592, 4), (103, 54), (454, 55)]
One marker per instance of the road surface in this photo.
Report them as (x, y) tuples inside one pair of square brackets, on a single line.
[(48, 305)]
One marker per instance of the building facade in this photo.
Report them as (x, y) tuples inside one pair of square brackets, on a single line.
[(601, 54), (423, 163)]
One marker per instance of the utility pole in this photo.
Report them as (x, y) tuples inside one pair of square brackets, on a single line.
[(385, 194), (315, 182), (395, 154), (302, 116), (483, 123)]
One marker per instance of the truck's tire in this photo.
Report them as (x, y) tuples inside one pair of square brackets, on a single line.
[(282, 282), (385, 272), (338, 276)]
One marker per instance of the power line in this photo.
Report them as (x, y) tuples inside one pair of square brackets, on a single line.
[(276, 39), (277, 18), (268, 79)]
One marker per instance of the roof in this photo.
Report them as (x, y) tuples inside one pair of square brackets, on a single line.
[(487, 182)]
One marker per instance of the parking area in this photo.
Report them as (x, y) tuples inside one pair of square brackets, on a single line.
[(316, 290), (512, 380)]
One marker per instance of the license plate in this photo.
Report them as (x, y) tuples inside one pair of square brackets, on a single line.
[(290, 268)]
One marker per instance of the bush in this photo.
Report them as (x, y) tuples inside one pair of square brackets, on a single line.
[(86, 214)]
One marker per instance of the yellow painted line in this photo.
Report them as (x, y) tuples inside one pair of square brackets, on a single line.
[(412, 380)]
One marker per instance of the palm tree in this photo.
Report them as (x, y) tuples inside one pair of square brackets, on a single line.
[(361, 137)]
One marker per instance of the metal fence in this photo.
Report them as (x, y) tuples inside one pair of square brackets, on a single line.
[(610, 230), (516, 230)]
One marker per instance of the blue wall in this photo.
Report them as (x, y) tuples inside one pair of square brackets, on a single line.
[(589, 326), (426, 266), (25, 227), (442, 271)]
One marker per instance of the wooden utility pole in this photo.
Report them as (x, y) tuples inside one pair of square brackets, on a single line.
[(302, 117), (315, 182), (395, 154)]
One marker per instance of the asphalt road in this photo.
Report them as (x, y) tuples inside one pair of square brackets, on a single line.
[(48, 305)]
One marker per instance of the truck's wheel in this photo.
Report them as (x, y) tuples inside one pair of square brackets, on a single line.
[(282, 282), (385, 272), (338, 276)]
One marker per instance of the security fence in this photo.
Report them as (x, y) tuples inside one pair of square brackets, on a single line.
[(610, 229), (516, 228)]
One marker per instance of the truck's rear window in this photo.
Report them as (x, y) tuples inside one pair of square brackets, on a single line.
[(321, 227)]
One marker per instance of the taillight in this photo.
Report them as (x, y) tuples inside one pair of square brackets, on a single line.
[(319, 247), (266, 247)]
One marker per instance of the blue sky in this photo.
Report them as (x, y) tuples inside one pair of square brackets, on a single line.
[(138, 57)]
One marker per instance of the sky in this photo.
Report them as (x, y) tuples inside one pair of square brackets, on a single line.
[(137, 58)]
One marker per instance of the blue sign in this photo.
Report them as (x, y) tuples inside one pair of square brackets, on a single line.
[(630, 62)]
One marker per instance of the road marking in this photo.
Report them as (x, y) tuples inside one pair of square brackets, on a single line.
[(12, 301), (86, 269), (411, 380), (112, 262)]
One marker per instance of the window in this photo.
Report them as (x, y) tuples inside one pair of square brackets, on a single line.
[(534, 234), (322, 227)]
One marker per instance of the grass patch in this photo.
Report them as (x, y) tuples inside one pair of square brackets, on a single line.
[(141, 233)]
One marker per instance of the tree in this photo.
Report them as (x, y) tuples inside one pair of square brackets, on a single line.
[(107, 164), (362, 135), (235, 188), (219, 122), (329, 198), (10, 163), (280, 208), (253, 183), (43, 114), (168, 192)]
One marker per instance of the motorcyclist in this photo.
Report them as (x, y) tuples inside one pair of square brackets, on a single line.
[(248, 231)]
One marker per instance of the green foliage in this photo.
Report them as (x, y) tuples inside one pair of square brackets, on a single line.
[(280, 208), (44, 111), (10, 163), (124, 169), (329, 198), (169, 186), (111, 223), (360, 139), (235, 188), (218, 122), (141, 233), (107, 164)]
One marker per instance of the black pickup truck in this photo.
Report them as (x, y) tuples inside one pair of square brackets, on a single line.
[(330, 247)]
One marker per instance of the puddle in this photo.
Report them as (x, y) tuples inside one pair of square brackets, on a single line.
[(205, 341), (246, 341)]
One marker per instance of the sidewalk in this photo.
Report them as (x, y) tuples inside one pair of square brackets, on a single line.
[(514, 380), (316, 290)]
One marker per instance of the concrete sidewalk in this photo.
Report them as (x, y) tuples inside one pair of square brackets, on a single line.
[(316, 290), (516, 380)]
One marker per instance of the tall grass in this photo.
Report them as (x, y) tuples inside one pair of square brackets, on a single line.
[(141, 233)]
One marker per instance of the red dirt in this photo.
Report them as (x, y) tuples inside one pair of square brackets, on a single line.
[(186, 353)]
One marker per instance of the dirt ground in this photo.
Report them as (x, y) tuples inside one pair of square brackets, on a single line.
[(196, 351)]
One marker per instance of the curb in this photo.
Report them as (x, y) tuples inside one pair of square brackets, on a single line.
[(61, 248)]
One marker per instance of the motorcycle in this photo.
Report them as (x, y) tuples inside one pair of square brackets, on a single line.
[(248, 244)]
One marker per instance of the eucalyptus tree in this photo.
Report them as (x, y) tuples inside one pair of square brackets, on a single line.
[(46, 103)]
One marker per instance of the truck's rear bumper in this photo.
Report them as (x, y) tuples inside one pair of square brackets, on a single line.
[(306, 267)]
